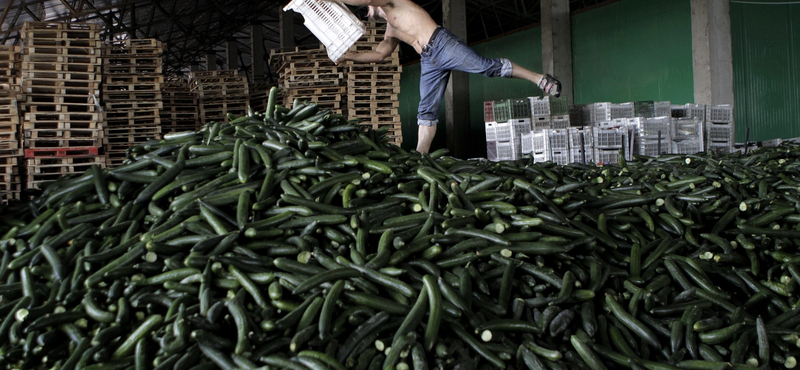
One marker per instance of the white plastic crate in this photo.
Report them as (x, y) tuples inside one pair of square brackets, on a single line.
[(650, 127), (540, 106), (511, 129), (501, 151), (559, 122), (576, 155), (526, 143), (558, 140), (691, 146), (696, 110), (599, 112), (617, 122), (575, 134), (719, 113), (609, 138), (719, 132), (540, 142), (539, 122), (541, 157), (687, 128), (560, 158), (491, 130), (622, 110), (652, 148), (606, 156), (720, 147), (332, 23)]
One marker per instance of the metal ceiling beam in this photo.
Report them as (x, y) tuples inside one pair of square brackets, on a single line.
[(5, 12), (13, 23)]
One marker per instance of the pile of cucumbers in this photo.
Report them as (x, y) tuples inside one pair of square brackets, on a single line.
[(296, 239)]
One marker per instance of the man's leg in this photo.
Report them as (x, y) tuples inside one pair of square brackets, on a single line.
[(425, 138)]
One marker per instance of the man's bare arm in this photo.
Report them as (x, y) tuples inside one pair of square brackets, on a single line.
[(382, 51)]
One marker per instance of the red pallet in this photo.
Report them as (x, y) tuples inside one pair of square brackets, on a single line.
[(61, 152)]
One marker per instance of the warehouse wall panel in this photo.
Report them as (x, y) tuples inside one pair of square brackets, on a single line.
[(633, 50), (766, 68)]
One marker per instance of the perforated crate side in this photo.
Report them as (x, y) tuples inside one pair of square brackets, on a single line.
[(501, 110), (559, 106), (608, 138), (491, 130), (540, 142), (576, 155), (559, 122), (576, 115), (332, 23), (506, 151), (696, 110), (605, 156), (560, 158), (488, 111), (719, 113), (491, 150), (651, 127), (720, 147), (541, 157), (575, 134), (520, 108), (687, 128), (526, 143), (622, 110), (559, 140), (644, 108), (600, 112), (519, 126), (653, 148), (540, 106), (541, 122), (717, 132), (662, 109)]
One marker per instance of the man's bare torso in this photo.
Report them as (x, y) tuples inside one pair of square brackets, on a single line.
[(408, 22)]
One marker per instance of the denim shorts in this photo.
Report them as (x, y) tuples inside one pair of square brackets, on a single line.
[(444, 53)]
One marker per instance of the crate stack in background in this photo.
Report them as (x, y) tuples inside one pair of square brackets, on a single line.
[(259, 94), (62, 125), (373, 88), (219, 93), (132, 78), (719, 128), (179, 108), (507, 124), (309, 74)]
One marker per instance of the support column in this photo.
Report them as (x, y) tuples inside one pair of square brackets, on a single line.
[(211, 62), (457, 93), (286, 25), (712, 52), (233, 54), (557, 44), (257, 52)]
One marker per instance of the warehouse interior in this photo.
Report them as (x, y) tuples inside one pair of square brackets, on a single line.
[(204, 185)]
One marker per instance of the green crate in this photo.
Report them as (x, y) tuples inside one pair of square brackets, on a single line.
[(559, 106), (507, 109)]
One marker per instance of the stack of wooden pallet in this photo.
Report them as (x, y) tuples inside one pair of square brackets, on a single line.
[(132, 95), (10, 154), (373, 88), (62, 125), (219, 93), (259, 94), (308, 74), (179, 112)]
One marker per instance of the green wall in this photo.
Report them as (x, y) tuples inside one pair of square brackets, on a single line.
[(633, 50), (766, 70), (626, 51)]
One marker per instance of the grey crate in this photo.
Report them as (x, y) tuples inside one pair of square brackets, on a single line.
[(719, 113), (540, 122), (654, 148), (720, 147), (696, 110), (559, 106), (605, 156), (512, 128), (501, 151), (559, 122), (691, 146), (599, 112), (540, 142), (541, 157), (560, 158), (662, 109), (576, 113), (719, 132), (687, 128), (491, 130), (622, 110), (526, 143)]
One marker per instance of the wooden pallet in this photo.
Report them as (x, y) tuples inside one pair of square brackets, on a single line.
[(55, 99), (116, 157), (40, 91), (132, 61), (172, 116), (137, 113), (39, 107), (374, 91), (47, 143), (9, 122), (138, 51), (42, 53), (61, 42), (373, 76), (179, 102), (369, 104), (61, 152), (222, 105), (132, 70), (134, 80), (61, 26), (378, 117), (134, 105), (133, 122), (60, 75), (373, 68), (61, 134), (138, 87), (138, 96), (155, 134), (373, 98), (223, 72), (62, 125), (41, 170), (10, 161), (180, 109), (7, 143), (31, 83)]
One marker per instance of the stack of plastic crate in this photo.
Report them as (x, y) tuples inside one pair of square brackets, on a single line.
[(373, 88), (309, 74), (581, 148), (504, 139), (132, 96), (622, 110), (688, 111), (540, 112), (652, 136), (62, 126), (688, 134), (219, 93), (719, 128), (179, 107)]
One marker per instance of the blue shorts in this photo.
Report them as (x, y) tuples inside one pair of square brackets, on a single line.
[(444, 53)]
